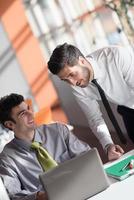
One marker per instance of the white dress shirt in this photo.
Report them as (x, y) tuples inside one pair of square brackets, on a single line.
[(114, 70)]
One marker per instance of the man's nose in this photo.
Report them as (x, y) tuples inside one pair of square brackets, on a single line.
[(30, 112)]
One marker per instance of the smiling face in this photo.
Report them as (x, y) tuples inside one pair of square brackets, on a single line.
[(78, 75), (23, 125)]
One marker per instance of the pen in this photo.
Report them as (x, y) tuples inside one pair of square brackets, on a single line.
[(130, 165), (125, 166)]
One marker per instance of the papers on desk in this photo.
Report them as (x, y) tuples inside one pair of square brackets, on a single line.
[(118, 171)]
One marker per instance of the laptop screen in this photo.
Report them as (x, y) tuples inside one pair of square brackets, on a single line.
[(76, 179)]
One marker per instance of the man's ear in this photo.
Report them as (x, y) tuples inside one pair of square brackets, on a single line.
[(81, 60), (9, 124)]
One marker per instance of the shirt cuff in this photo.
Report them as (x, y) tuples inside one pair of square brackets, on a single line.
[(106, 141)]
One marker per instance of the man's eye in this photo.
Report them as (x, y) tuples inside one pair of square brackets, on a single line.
[(71, 75), (22, 114)]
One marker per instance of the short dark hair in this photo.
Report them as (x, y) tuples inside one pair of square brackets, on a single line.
[(6, 104), (62, 55)]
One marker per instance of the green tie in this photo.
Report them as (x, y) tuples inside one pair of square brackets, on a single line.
[(45, 160)]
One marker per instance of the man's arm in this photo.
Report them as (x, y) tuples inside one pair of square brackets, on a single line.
[(74, 145), (92, 111), (96, 122), (13, 184)]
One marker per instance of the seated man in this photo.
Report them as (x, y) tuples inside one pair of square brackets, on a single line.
[(20, 165)]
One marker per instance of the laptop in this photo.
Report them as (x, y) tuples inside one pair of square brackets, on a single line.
[(76, 179)]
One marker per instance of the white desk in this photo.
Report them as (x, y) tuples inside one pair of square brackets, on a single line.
[(118, 189)]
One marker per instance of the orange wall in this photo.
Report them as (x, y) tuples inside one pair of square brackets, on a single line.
[(27, 51)]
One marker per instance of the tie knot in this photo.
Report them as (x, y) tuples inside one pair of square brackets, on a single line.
[(35, 145), (94, 81)]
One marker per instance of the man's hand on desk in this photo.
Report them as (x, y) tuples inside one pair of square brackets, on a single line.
[(41, 196), (114, 151)]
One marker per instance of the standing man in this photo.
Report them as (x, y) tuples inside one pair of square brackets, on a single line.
[(113, 69), (33, 150)]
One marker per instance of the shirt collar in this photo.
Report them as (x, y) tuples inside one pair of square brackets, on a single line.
[(25, 144)]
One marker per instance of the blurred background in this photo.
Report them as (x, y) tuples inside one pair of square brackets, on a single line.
[(31, 29)]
